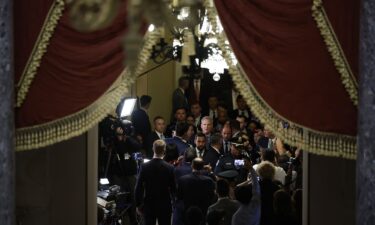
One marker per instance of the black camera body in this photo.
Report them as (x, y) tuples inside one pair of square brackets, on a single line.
[(114, 202), (109, 127), (125, 125)]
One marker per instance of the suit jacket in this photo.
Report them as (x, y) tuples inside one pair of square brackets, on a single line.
[(153, 136), (141, 123), (211, 157), (179, 100), (182, 170), (203, 152), (198, 125), (181, 145), (227, 205), (196, 190), (225, 149), (235, 113), (222, 89), (203, 93), (155, 185)]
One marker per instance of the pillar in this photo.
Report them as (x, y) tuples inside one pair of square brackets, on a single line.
[(7, 196), (365, 180)]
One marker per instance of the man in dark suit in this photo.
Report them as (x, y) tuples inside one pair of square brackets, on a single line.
[(202, 86), (243, 124), (158, 133), (179, 116), (242, 109), (200, 145), (207, 127), (180, 139), (183, 169), (197, 91), (140, 119), (213, 153), (179, 99), (226, 134), (196, 189), (236, 129), (211, 110), (154, 188), (196, 111), (224, 203)]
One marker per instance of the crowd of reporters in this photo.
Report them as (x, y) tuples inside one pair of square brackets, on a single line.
[(206, 170)]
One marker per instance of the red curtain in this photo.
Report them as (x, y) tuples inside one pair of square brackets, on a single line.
[(283, 54), (25, 31), (76, 69), (344, 17)]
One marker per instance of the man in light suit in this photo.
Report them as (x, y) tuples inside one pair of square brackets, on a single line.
[(155, 186), (224, 203)]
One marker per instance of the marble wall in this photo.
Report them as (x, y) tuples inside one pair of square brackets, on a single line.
[(366, 125), (6, 115)]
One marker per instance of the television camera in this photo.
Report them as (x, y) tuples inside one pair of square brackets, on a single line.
[(113, 202)]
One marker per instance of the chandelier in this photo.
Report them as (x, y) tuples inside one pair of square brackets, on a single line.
[(194, 44), (195, 48)]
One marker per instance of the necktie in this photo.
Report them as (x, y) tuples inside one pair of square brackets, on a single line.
[(226, 147), (241, 113), (161, 136), (213, 114)]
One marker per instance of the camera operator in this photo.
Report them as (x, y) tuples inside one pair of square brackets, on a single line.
[(123, 166), (236, 159)]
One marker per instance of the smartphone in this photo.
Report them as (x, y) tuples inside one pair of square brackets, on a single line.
[(239, 163)]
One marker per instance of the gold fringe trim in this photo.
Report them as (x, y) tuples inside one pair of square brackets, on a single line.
[(316, 142), (40, 48), (334, 48), (76, 124)]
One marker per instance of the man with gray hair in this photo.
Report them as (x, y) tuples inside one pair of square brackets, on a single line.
[(154, 188), (207, 126)]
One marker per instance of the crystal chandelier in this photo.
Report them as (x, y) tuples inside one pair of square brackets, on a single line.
[(194, 44), (195, 48)]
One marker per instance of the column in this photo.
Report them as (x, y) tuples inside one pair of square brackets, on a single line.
[(7, 193), (365, 180)]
